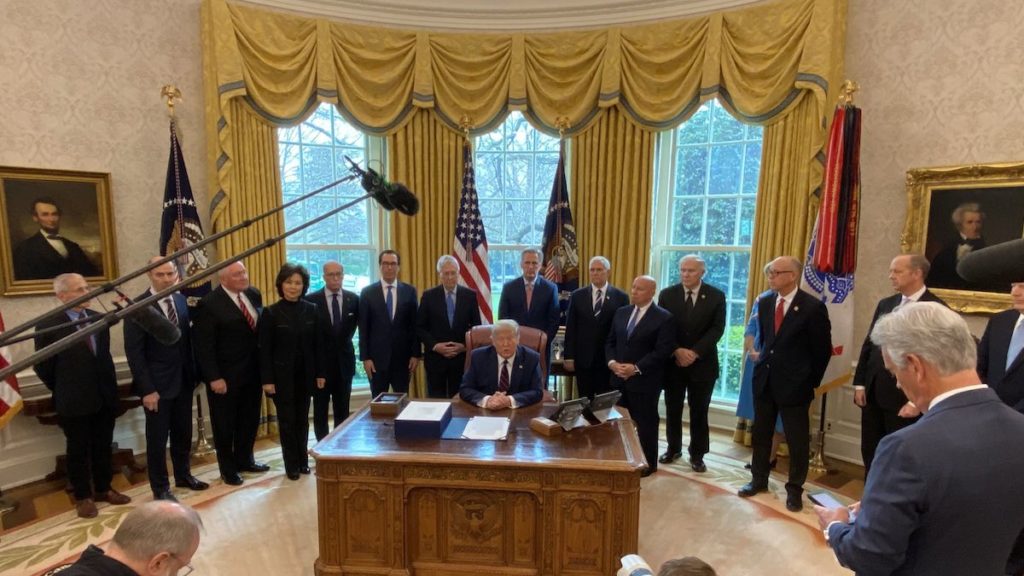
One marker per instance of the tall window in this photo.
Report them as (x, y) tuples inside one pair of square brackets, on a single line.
[(312, 155), (704, 204), (515, 168)]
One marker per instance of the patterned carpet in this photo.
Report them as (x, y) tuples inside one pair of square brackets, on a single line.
[(676, 516)]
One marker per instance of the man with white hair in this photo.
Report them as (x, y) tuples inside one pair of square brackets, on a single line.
[(446, 312), (505, 374), (155, 539), (587, 324), (943, 496), (84, 386)]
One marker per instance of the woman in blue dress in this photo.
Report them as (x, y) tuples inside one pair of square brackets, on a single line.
[(745, 405)]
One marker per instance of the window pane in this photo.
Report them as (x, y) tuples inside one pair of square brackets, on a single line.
[(687, 220), (712, 198), (317, 128), (515, 169), (317, 166), (691, 171)]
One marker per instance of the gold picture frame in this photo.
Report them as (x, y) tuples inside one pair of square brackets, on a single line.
[(54, 221), (942, 203)]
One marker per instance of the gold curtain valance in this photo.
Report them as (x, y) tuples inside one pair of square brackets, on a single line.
[(758, 60)]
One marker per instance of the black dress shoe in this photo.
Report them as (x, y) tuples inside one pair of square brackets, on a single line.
[(192, 483), (164, 495), (750, 489), (771, 464), (647, 472), (794, 502), (698, 465), (254, 467), (669, 457), (292, 474), (233, 479), (305, 470)]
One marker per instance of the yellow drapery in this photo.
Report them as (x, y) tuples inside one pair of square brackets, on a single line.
[(611, 180), (427, 157), (775, 64)]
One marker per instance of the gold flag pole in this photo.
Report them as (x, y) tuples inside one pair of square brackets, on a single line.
[(202, 446)]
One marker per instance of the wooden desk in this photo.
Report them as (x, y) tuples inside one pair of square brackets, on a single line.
[(531, 505)]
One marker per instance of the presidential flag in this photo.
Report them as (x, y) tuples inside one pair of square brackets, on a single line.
[(180, 226), (470, 245), (559, 248), (10, 395)]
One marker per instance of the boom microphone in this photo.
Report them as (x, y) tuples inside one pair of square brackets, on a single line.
[(153, 322), (1002, 263), (390, 195)]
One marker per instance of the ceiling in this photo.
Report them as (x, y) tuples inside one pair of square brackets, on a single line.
[(501, 14)]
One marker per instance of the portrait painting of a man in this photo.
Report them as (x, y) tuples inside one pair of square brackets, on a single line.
[(54, 222)]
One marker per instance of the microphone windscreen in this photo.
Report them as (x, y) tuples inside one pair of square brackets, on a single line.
[(403, 199), (1002, 263), (156, 325)]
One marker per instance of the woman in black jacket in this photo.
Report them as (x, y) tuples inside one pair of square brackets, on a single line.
[(291, 363)]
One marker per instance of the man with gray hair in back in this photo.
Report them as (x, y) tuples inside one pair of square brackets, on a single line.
[(155, 539), (943, 495), (447, 311)]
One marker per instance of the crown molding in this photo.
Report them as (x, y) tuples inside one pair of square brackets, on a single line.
[(493, 15)]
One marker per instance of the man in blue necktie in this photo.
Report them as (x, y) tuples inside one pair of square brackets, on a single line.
[(388, 345), (447, 311), (84, 387), (1000, 363)]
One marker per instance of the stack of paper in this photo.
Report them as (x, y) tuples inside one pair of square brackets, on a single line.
[(486, 428)]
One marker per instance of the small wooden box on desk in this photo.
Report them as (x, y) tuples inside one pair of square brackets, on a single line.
[(529, 505)]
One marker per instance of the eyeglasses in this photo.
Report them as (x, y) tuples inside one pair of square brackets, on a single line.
[(774, 273), (188, 569)]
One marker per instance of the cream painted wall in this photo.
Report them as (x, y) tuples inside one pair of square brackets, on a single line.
[(80, 89), (942, 83)]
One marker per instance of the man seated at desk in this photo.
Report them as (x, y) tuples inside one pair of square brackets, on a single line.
[(503, 375)]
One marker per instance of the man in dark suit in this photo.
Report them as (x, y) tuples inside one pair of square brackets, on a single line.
[(165, 378), (84, 387), (531, 300), (226, 350), (884, 407), (698, 315), (639, 345), (797, 347), (503, 375), (587, 324), (944, 494), (46, 254), (1000, 362), (339, 312), (388, 345), (446, 312)]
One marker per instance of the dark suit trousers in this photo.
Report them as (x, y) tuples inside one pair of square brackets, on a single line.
[(875, 423), (593, 380), (395, 376), (643, 410), (700, 399), (172, 419), (235, 418), (89, 441), (293, 427), (336, 394), (796, 424), (444, 375)]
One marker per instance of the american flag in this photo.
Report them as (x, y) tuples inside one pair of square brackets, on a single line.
[(10, 396), (470, 239)]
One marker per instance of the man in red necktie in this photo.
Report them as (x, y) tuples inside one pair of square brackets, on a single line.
[(503, 375), (797, 347), (225, 347)]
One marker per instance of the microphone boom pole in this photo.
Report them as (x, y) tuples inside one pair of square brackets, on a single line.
[(110, 318), (107, 287)]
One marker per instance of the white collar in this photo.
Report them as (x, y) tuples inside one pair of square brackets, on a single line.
[(954, 392)]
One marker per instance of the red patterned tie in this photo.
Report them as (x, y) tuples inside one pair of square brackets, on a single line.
[(245, 313), (780, 311), (503, 381)]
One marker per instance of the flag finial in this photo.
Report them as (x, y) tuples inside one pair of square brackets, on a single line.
[(466, 124), (846, 94), (563, 125), (171, 93)]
